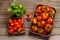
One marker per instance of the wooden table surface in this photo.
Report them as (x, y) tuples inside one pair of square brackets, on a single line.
[(29, 6)]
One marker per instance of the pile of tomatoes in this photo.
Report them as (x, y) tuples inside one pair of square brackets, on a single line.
[(43, 19), (15, 25)]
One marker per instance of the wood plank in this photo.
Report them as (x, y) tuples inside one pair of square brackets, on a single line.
[(4, 4), (57, 37), (19, 38), (55, 1), (52, 4), (55, 31)]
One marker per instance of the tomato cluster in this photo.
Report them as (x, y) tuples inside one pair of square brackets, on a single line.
[(43, 19), (15, 25)]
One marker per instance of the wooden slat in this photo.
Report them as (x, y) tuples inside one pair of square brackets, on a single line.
[(57, 37), (55, 1), (55, 31), (53, 4), (19, 38), (4, 4)]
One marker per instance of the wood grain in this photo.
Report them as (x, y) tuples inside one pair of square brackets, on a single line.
[(4, 4)]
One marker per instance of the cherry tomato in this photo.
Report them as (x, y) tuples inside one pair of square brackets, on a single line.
[(16, 23), (11, 31), (21, 23), (15, 28), (18, 26), (28, 18), (45, 8), (20, 29), (48, 27), (19, 20), (50, 20), (44, 15), (14, 20), (39, 18), (28, 14), (11, 24)]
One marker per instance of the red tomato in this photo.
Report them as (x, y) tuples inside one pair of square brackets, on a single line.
[(10, 20), (28, 18), (15, 28), (21, 23), (52, 12), (36, 14), (20, 29), (14, 20), (39, 7), (39, 18), (16, 23), (11, 31), (46, 8), (11, 24), (41, 24), (19, 20), (48, 27), (18, 26), (50, 20), (28, 14), (44, 15)]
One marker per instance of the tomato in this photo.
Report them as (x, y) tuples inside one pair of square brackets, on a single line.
[(34, 28), (16, 23), (21, 23), (14, 20), (52, 12), (10, 20), (20, 29), (50, 20), (39, 18), (44, 15), (36, 10), (11, 31), (18, 26), (36, 14), (28, 18), (34, 21), (41, 24), (40, 31), (11, 24), (48, 27), (44, 32), (19, 20), (46, 8), (15, 28), (39, 7)]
